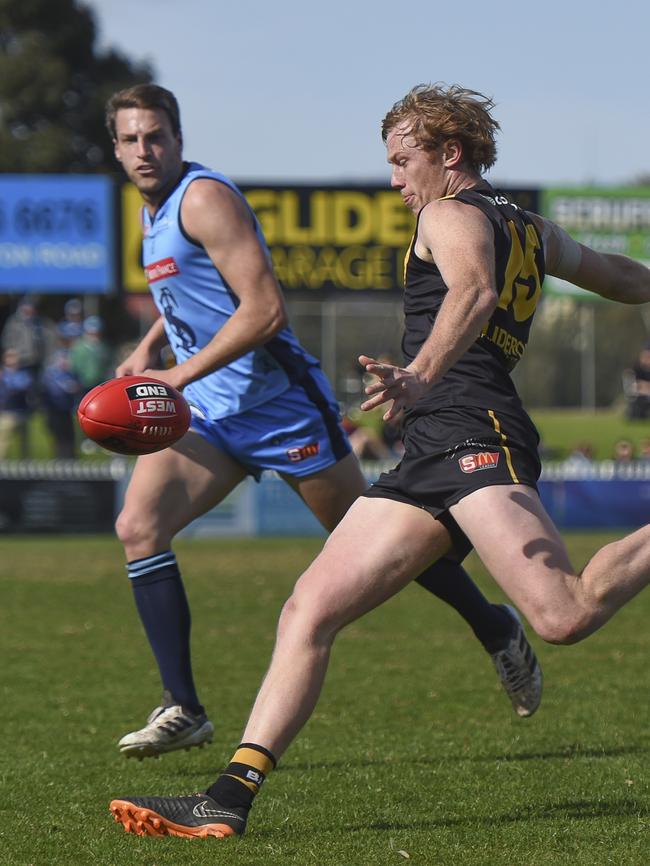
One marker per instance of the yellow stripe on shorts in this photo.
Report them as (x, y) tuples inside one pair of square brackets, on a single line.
[(506, 450)]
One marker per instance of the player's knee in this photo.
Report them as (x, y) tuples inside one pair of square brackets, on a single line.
[(122, 527), (132, 529), (307, 621), (561, 627)]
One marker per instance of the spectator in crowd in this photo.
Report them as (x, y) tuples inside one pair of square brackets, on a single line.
[(32, 336), (644, 450), (370, 441), (372, 437), (624, 451), (60, 389), (366, 442), (582, 453), (72, 322), (90, 356), (67, 334), (16, 403), (637, 385)]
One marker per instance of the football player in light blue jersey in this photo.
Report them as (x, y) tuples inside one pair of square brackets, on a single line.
[(259, 402)]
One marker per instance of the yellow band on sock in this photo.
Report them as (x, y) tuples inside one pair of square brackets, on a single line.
[(250, 785), (257, 760)]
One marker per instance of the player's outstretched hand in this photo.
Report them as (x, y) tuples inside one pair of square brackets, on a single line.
[(399, 384), (138, 363), (169, 377)]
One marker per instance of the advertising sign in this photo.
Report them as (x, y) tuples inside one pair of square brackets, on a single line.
[(615, 220), (334, 239), (133, 279), (56, 234), (323, 238)]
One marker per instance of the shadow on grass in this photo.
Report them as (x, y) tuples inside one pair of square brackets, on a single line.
[(581, 810), (571, 750), (568, 810), (574, 750)]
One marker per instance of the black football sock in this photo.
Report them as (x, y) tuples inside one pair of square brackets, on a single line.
[(449, 581), (243, 777), (162, 604)]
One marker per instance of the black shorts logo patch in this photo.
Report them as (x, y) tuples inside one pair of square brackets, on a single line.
[(480, 461), (298, 454)]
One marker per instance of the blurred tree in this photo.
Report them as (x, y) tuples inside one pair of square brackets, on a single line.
[(53, 86)]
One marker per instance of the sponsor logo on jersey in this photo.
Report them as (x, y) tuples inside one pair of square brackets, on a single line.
[(304, 453), (148, 400), (161, 269), (511, 346), (480, 461)]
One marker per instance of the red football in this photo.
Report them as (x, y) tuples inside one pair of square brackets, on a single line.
[(134, 415)]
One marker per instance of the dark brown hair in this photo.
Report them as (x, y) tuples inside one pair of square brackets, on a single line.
[(143, 96)]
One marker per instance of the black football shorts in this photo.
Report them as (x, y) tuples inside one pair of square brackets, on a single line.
[(455, 451)]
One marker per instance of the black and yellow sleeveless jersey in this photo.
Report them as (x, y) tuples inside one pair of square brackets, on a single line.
[(481, 378)]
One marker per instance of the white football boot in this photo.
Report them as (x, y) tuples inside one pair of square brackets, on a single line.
[(168, 729), (519, 670)]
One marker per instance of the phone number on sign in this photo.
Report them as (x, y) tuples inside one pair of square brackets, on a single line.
[(50, 217)]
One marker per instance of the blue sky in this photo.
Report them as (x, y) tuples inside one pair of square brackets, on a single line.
[(296, 90)]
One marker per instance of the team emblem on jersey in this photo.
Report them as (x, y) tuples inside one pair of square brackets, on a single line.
[(161, 269), (149, 400), (298, 454), (480, 461)]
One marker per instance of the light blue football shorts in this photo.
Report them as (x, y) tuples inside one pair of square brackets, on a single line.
[(298, 433)]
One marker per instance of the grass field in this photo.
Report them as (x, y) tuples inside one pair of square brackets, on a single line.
[(412, 756)]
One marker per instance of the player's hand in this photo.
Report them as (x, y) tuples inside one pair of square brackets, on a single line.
[(399, 384), (126, 369), (136, 364), (169, 377)]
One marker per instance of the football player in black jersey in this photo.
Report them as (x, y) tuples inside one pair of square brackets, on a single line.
[(470, 466)]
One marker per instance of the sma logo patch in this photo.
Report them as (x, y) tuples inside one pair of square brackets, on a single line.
[(480, 461), (296, 455)]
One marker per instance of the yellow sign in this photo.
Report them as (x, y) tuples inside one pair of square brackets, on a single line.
[(334, 239), (331, 217), (132, 271), (322, 238)]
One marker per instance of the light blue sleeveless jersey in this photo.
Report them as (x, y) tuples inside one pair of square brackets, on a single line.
[(195, 302)]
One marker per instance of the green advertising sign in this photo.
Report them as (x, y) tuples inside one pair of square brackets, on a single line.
[(609, 220)]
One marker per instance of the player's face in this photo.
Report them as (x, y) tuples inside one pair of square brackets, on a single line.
[(418, 174), (150, 153)]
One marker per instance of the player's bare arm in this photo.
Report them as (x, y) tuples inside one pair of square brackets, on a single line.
[(612, 276), (214, 216), (461, 242), (147, 353)]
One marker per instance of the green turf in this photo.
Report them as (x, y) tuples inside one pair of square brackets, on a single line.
[(412, 756)]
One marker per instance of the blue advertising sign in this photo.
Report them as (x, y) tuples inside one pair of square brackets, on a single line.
[(56, 234)]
